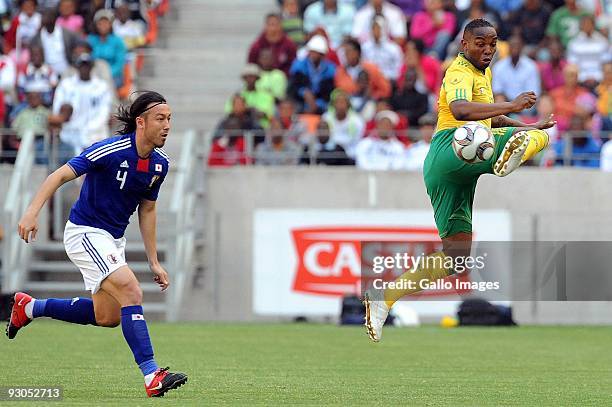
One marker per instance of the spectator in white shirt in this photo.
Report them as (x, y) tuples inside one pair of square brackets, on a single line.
[(381, 151), (517, 73), (381, 51), (589, 50), (57, 42), (416, 153), (396, 21), (606, 156), (90, 99), (345, 125)]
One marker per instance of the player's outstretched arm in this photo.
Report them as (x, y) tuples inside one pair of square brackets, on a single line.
[(147, 220), (505, 121), (29, 221), (467, 111)]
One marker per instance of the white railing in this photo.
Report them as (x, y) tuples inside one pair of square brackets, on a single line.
[(14, 251), (181, 243)]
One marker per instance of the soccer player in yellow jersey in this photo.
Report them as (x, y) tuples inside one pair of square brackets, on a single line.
[(466, 95)]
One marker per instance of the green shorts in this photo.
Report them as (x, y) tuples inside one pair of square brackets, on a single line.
[(451, 182)]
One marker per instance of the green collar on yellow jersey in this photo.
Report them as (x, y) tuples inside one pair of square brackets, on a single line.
[(462, 56)]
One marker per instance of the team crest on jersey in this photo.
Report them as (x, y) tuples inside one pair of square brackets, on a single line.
[(112, 259), (483, 90), (153, 180), (158, 168)]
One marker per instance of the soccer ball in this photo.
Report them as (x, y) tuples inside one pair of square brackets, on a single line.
[(473, 142)]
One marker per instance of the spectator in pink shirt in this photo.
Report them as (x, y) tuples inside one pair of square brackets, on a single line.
[(68, 17), (551, 71), (434, 27)]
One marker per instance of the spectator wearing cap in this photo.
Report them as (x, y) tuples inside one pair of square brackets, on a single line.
[(56, 42), (434, 26), (107, 46), (100, 69), (589, 50), (274, 38), (565, 96), (34, 117), (259, 100), (336, 18), (401, 128), (381, 151), (271, 80), (396, 21), (517, 73), (24, 26), (346, 75), (311, 79), (382, 52), (277, 149), (323, 150), (40, 74), (68, 17), (564, 23), (416, 153), (90, 99), (408, 101), (346, 127)]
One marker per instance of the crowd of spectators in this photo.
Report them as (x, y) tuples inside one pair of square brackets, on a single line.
[(356, 82), (64, 64)]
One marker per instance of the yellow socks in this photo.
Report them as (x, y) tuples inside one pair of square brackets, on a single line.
[(432, 268), (537, 142)]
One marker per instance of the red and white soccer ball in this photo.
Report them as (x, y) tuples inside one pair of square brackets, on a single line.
[(473, 142)]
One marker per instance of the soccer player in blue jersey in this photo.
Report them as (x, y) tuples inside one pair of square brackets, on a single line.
[(123, 173)]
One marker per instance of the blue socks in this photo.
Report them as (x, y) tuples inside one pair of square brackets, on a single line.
[(136, 334), (76, 310)]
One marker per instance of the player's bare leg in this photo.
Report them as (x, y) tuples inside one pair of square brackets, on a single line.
[(123, 286), (106, 309), (378, 303)]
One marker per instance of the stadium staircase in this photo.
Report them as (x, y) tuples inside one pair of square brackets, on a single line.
[(196, 63)]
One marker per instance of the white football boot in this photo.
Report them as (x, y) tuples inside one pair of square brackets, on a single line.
[(376, 313), (512, 154)]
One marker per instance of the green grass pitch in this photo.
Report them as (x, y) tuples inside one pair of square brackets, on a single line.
[(320, 364)]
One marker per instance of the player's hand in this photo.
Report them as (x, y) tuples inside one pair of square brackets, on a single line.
[(28, 227), (525, 100), (160, 276), (546, 123)]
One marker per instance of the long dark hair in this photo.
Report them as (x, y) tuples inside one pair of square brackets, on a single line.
[(128, 114)]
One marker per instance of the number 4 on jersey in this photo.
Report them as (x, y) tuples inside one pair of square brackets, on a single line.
[(121, 176)]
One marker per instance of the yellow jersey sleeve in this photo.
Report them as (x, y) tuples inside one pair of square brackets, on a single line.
[(458, 84)]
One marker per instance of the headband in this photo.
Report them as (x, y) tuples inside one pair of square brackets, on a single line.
[(152, 106)]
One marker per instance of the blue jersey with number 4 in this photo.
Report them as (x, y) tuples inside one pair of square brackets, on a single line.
[(117, 181)]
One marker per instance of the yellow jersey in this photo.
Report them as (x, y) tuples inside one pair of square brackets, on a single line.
[(463, 81)]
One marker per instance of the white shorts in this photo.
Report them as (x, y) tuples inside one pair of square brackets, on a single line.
[(95, 252)]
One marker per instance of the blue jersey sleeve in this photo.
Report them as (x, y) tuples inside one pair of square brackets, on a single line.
[(153, 192), (90, 159)]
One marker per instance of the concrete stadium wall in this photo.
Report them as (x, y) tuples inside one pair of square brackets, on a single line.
[(558, 204)]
